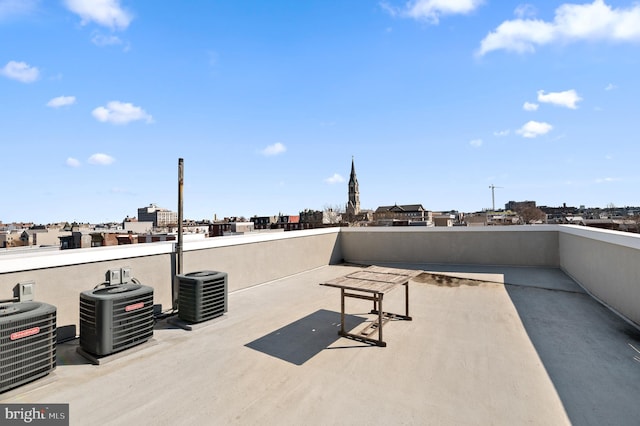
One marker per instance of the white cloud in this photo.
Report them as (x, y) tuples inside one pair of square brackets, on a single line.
[(568, 98), (107, 13), (517, 36), (572, 22), (20, 71), (336, 178), (610, 86), (102, 40), (275, 149), (533, 129), (476, 143), (431, 10), (530, 106), (61, 101), (105, 40), (525, 10), (501, 133), (101, 159), (120, 113), (72, 162), (391, 10)]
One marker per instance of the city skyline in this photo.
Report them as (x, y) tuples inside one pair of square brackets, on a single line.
[(570, 210), (268, 103)]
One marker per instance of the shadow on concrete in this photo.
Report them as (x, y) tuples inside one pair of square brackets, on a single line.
[(301, 340), (591, 355), (166, 323), (588, 352), (66, 353)]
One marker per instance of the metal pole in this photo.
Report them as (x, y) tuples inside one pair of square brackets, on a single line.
[(493, 198), (174, 299), (180, 211)]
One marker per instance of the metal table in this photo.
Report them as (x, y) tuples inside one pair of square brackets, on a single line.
[(372, 284)]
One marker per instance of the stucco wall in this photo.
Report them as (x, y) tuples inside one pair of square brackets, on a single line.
[(605, 263), (513, 245), (60, 276), (250, 261)]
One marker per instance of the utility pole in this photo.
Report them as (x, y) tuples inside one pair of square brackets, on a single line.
[(179, 262), (180, 212), (493, 196)]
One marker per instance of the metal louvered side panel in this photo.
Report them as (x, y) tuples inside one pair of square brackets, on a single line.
[(188, 302), (88, 315), (23, 359)]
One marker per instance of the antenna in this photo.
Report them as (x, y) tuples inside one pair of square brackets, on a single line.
[(493, 196)]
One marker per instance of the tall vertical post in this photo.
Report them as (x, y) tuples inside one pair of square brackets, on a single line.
[(180, 212), (493, 198)]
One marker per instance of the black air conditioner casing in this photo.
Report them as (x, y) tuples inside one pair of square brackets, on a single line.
[(202, 295), (27, 342), (115, 318)]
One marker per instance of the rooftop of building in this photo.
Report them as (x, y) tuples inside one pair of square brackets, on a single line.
[(507, 344)]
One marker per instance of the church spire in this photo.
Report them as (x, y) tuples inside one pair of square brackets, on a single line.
[(353, 171), (353, 205)]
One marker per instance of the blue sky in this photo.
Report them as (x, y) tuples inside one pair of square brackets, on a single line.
[(267, 102)]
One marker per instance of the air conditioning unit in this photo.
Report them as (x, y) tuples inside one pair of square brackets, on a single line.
[(202, 295), (115, 318), (27, 342)]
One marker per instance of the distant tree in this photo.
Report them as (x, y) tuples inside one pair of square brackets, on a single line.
[(338, 208), (531, 214), (332, 214)]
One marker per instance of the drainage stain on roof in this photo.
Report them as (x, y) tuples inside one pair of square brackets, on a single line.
[(441, 280)]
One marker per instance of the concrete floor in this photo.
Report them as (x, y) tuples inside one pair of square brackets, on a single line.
[(526, 346)]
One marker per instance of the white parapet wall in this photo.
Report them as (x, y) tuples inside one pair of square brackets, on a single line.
[(248, 260), (606, 264), (504, 245)]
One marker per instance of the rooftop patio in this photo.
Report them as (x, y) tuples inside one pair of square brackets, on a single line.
[(498, 345), (505, 344)]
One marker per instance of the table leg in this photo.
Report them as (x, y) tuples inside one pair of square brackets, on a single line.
[(342, 331), (406, 298), (380, 315)]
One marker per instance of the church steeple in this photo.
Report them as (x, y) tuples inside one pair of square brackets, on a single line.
[(353, 205)]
